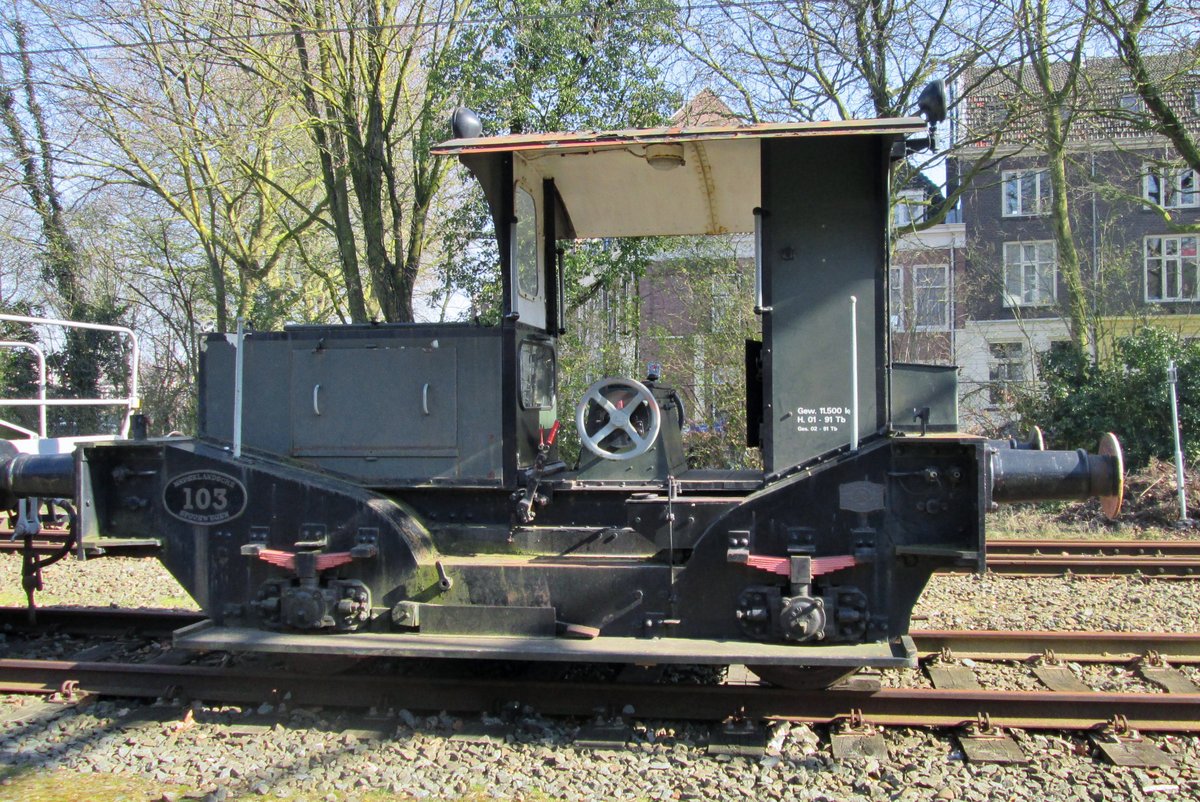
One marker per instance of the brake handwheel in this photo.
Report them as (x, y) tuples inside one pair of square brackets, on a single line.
[(618, 419)]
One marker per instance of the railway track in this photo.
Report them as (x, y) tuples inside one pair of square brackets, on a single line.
[(433, 688), (1158, 712), (1167, 559), (51, 539), (1163, 559)]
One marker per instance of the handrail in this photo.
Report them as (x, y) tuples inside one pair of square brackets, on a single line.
[(131, 403), (41, 360)]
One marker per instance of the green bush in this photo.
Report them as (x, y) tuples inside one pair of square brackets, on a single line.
[(1078, 399)]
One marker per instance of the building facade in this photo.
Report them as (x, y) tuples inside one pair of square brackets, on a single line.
[(1130, 201)]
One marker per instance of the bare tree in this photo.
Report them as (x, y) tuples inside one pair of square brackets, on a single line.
[(89, 358), (1157, 43), (1048, 78), (815, 59), (374, 84), (167, 116)]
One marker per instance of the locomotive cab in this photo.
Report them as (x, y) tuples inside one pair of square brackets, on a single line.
[(819, 378)]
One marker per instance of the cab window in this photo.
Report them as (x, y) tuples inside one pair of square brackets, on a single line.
[(526, 245), (537, 375)]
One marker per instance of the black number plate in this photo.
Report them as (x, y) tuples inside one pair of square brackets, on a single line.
[(204, 497)]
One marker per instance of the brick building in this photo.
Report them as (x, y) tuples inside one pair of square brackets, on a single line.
[(1135, 264), (926, 270)]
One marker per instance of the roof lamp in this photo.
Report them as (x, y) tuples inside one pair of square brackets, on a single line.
[(665, 156)]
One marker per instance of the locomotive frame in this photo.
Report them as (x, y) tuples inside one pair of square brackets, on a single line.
[(397, 489)]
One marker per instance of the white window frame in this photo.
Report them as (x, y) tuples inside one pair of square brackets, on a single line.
[(1039, 299), (1020, 359), (1177, 261), (944, 285), (1180, 184), (910, 208), (1042, 193), (896, 298)]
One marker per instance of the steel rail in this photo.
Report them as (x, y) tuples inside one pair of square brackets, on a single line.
[(889, 707), (1160, 559), (1056, 564), (150, 623), (1121, 548), (1079, 647)]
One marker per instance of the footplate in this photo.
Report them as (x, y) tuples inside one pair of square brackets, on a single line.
[(900, 653)]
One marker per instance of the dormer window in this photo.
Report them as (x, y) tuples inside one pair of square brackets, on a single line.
[(1025, 193), (1131, 104)]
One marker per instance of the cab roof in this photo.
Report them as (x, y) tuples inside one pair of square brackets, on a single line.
[(616, 192)]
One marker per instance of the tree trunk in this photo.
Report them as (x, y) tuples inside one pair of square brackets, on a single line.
[(1064, 237), (327, 138)]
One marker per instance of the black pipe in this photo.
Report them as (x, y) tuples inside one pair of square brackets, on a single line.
[(1025, 475), (42, 475)]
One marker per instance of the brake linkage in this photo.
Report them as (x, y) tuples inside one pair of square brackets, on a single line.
[(529, 495)]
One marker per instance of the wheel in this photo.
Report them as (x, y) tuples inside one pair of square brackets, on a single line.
[(802, 678), (618, 419)]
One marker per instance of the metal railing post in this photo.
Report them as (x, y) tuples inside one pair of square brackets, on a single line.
[(1172, 381), (41, 360), (853, 373), (239, 364), (131, 403)]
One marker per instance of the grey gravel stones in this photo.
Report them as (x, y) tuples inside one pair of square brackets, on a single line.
[(1115, 604)]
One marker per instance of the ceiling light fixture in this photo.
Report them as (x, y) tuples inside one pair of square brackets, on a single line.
[(665, 156)]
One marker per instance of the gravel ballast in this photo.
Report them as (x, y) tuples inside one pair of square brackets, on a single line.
[(228, 753), (304, 757)]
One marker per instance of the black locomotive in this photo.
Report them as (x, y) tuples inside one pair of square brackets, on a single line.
[(397, 489)]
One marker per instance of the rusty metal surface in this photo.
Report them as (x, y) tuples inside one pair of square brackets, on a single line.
[(50, 540), (1054, 564), (587, 140), (1122, 548), (1164, 559), (1091, 647), (890, 707)]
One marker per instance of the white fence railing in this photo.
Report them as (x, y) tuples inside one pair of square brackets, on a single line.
[(131, 403)]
